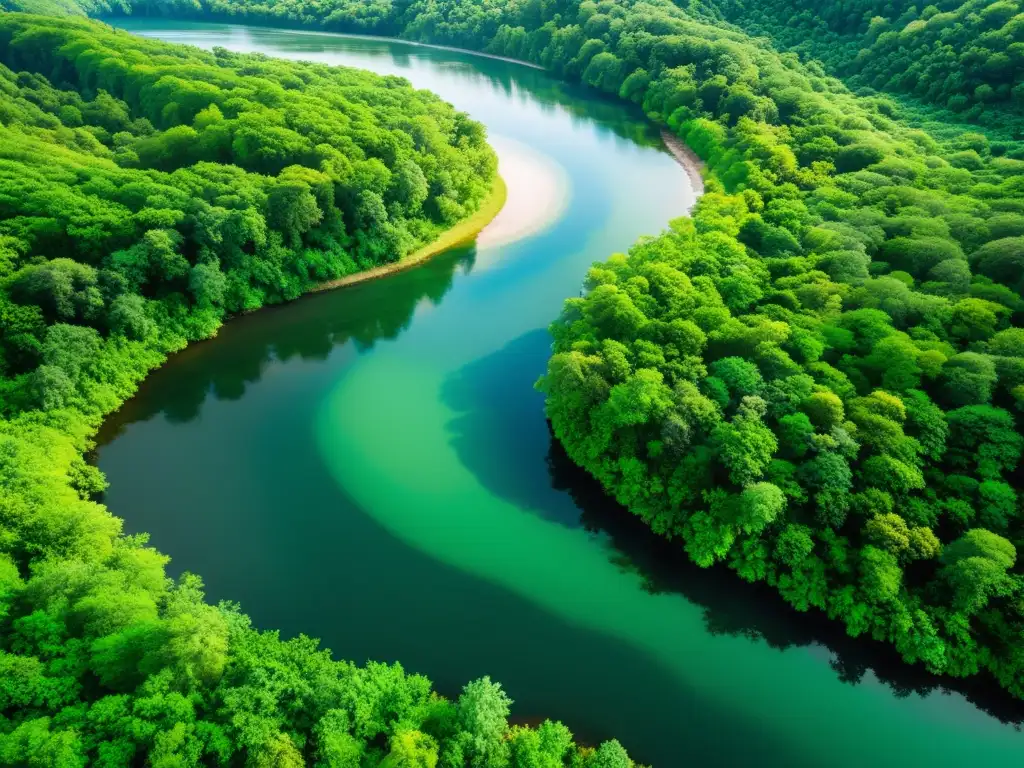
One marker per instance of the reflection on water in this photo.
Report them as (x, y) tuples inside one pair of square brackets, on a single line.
[(306, 329), (734, 607), (493, 405), (372, 466), (447, 73)]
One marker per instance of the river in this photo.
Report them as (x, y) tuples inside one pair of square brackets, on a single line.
[(372, 466)]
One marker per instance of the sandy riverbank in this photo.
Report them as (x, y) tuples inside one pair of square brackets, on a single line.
[(531, 191), (687, 158), (538, 194)]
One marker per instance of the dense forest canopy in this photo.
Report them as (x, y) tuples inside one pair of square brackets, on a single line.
[(817, 378), (146, 191), (66, 7), (175, 186), (967, 57)]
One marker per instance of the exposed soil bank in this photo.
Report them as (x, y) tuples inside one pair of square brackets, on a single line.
[(686, 157)]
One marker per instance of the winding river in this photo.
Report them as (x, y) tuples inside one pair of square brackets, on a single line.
[(372, 466)]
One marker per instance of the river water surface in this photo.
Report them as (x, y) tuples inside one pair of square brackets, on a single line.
[(371, 466)]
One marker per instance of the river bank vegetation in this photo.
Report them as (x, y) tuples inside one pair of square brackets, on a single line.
[(815, 379), (176, 187), (963, 59), (462, 233), (147, 191)]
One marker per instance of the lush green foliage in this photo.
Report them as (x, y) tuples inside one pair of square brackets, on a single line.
[(65, 7), (172, 187), (964, 56), (817, 378)]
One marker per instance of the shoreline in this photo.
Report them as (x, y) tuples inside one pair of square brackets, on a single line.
[(687, 158), (303, 30), (463, 232), (538, 194), (451, 48)]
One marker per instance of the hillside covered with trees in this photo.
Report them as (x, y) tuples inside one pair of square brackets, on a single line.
[(967, 57), (147, 191)]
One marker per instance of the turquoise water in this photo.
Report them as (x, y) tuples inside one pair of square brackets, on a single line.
[(372, 466)]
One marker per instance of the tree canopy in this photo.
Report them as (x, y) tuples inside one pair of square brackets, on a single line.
[(964, 56), (146, 192), (150, 190), (815, 379)]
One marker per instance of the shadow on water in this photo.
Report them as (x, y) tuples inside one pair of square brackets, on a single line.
[(494, 420), (734, 607), (309, 328), (535, 86), (500, 415)]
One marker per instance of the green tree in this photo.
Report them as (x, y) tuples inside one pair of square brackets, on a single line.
[(745, 445), (974, 567), (483, 710), (411, 749), (610, 755)]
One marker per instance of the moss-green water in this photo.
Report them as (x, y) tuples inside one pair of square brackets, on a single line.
[(372, 466)]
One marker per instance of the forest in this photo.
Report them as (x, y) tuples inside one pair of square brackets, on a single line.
[(817, 379), (176, 187), (964, 57), (148, 191), (961, 61)]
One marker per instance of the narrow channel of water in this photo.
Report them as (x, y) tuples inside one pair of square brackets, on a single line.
[(372, 467)]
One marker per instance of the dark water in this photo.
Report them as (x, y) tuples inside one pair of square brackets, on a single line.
[(372, 467)]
